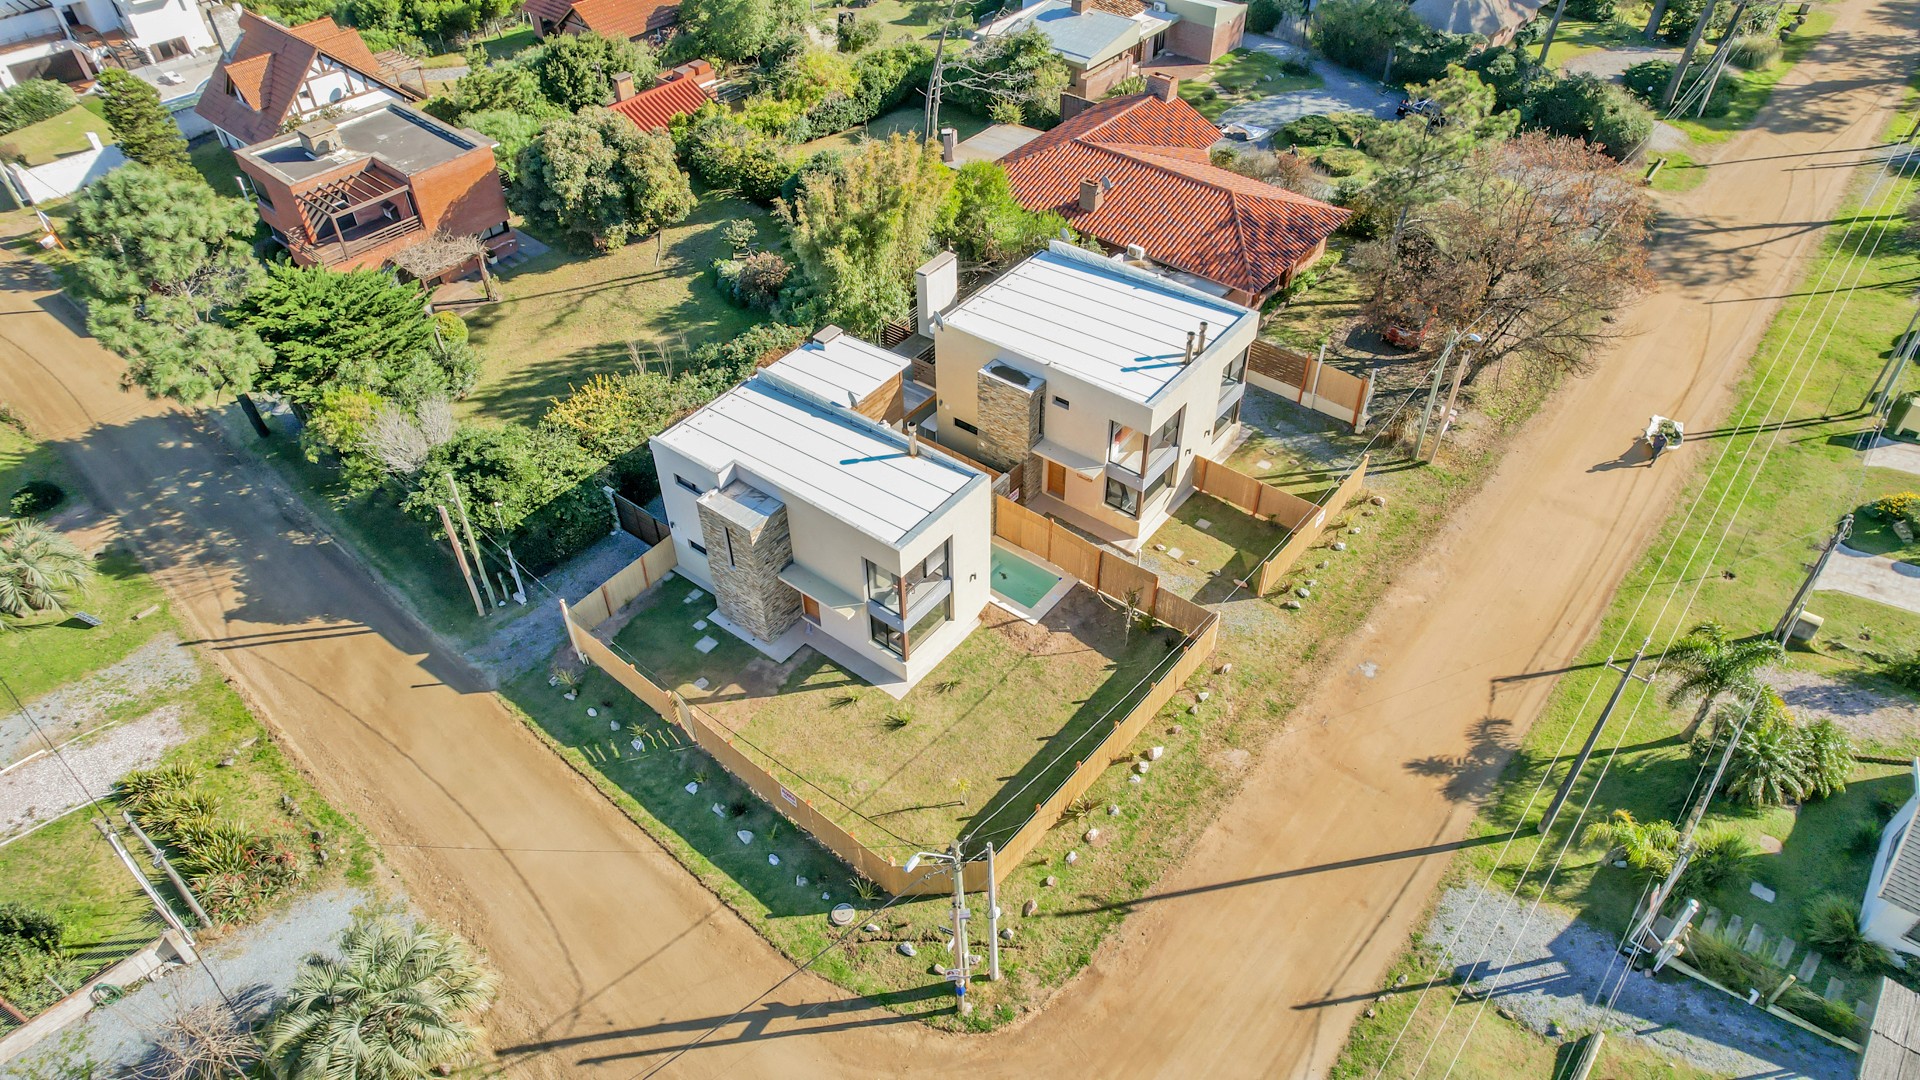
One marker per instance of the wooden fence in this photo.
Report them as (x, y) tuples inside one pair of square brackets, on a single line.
[(635, 520), (1267, 577), (633, 579), (1255, 496), (1310, 382)]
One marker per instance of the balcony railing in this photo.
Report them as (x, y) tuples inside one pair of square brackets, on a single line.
[(354, 244)]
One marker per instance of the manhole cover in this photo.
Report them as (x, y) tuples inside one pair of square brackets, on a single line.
[(841, 915)]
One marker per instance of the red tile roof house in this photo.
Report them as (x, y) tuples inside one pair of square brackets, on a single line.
[(277, 76), (1134, 171), (353, 192), (680, 91), (635, 20)]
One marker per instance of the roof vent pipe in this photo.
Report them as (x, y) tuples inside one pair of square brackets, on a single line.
[(1189, 358), (1203, 339), (913, 442)]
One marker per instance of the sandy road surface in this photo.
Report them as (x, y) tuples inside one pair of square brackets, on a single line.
[(1252, 959)]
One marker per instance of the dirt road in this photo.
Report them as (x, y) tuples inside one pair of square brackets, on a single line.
[(1251, 960)]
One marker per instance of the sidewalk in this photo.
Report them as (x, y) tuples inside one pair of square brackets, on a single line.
[(1343, 91), (1875, 577)]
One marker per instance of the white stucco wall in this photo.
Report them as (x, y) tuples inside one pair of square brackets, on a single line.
[(57, 179), (153, 21), (1881, 921)]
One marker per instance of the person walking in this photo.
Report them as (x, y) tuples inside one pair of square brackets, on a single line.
[(1659, 444)]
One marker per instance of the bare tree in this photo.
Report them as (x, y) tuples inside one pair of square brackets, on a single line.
[(401, 441), (201, 1042), (1543, 240), (442, 252)]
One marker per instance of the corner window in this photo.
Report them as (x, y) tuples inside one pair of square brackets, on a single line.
[(1236, 371), (1123, 498), (1169, 433), (1126, 448)]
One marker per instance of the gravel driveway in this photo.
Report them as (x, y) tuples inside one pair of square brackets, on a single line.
[(1561, 966), (1344, 91)]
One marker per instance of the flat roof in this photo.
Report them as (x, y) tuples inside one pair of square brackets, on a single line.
[(841, 369), (1112, 325), (1084, 36), (826, 457), (406, 139), (994, 143)]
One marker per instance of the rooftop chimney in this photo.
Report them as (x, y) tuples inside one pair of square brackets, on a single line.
[(826, 333), (320, 138), (1202, 347), (1189, 358), (913, 442), (936, 285), (1164, 87), (1091, 192), (949, 143), (623, 86), (1080, 6)]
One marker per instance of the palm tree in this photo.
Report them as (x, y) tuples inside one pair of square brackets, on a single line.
[(1647, 846), (396, 1004), (37, 567), (1712, 662), (1770, 765)]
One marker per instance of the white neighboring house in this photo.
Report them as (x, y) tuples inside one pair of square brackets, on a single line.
[(813, 523), (71, 42), (1106, 380), (1890, 914)]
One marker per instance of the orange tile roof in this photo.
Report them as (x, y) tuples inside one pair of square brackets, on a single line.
[(628, 19), (1166, 196), (654, 108), (267, 66), (553, 11)]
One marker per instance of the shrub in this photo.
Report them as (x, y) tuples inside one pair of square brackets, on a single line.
[(1341, 160), (1359, 33), (1429, 59), (1832, 926), (33, 966), (1584, 107), (1007, 111), (1826, 1015), (1904, 670), (1721, 860), (1132, 84), (1368, 215), (1264, 15), (854, 35), (1829, 758), (563, 528), (33, 101), (1600, 11), (1754, 52), (29, 928), (35, 497), (1647, 81), (1281, 169), (1723, 961), (1354, 128), (1903, 506), (1315, 130)]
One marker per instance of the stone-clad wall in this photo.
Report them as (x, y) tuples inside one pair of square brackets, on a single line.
[(1009, 421), (749, 587)]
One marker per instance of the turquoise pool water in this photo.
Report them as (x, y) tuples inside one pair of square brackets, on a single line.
[(1020, 581)]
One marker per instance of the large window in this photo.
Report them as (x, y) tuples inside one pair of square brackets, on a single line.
[(1236, 371), (922, 581), (1126, 448), (903, 609), (1123, 498), (901, 642), (1169, 433)]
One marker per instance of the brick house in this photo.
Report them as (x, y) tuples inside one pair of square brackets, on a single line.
[(1105, 42), (1133, 172), (679, 92), (352, 192), (277, 77), (635, 20)]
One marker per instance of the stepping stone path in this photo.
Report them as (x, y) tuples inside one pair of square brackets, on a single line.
[(705, 645), (1711, 922), (1733, 926), (1804, 973), (1203, 523), (1834, 989), (1756, 939), (1761, 891), (1784, 951)]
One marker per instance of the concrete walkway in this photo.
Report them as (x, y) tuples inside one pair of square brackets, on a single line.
[(1343, 91), (1888, 454), (1875, 577)]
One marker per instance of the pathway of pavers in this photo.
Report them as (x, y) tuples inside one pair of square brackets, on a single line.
[(1875, 577)]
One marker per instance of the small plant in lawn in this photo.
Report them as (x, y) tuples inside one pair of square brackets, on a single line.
[(1904, 671), (843, 701), (738, 808), (35, 497), (898, 719), (946, 686), (1832, 926), (1865, 839), (1721, 860), (701, 776), (865, 888), (1647, 846), (740, 235)]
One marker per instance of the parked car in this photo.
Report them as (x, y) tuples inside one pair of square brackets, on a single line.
[(1251, 134), (1426, 107), (1409, 330)]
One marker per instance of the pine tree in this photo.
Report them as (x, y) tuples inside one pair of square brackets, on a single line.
[(141, 125), (362, 329)]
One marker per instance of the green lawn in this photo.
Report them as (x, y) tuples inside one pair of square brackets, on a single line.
[(57, 137), (1680, 174), (908, 119), (1873, 532), (1813, 475), (215, 162), (565, 317), (900, 20), (1232, 545), (1323, 310), (1239, 77), (1578, 37), (1755, 88), (961, 754)]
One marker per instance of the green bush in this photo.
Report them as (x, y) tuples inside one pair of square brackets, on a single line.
[(563, 528), (1723, 961), (1721, 860), (1584, 107), (1264, 15), (853, 35), (1368, 215), (1316, 130), (29, 928), (1831, 925), (1902, 506), (1826, 1015), (35, 970), (1755, 52), (1341, 161), (1647, 81), (33, 101), (1904, 670), (35, 497), (1600, 11), (235, 868), (1132, 84), (1355, 127)]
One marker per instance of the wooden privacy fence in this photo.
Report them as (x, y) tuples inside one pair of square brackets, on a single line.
[(1256, 497), (1268, 576), (635, 520), (635, 578), (1310, 381)]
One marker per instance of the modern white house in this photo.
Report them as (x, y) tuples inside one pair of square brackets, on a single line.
[(1890, 914), (1104, 379), (812, 522), (71, 42)]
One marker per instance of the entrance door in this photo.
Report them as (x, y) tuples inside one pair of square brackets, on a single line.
[(810, 609), (1056, 480)]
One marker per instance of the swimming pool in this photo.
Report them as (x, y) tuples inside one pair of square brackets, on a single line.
[(1024, 585)]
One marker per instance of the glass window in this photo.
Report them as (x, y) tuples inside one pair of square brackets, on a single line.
[(1126, 447), (883, 587), (1157, 485), (898, 642), (1169, 433), (1236, 371), (1123, 498), (686, 483), (926, 578), (931, 621), (697, 546), (888, 638), (1226, 420), (964, 426)]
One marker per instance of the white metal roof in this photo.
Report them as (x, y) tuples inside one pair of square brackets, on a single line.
[(843, 369), (1110, 325), (847, 467)]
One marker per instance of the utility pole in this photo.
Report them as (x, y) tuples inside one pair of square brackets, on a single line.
[(1799, 605), (146, 886), (993, 919), (1686, 55), (166, 867), (1453, 396), (513, 565), (460, 557), (1720, 56), (935, 80), (962, 968), (1905, 345), (1593, 737), (1553, 27), (1433, 392), (479, 564)]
